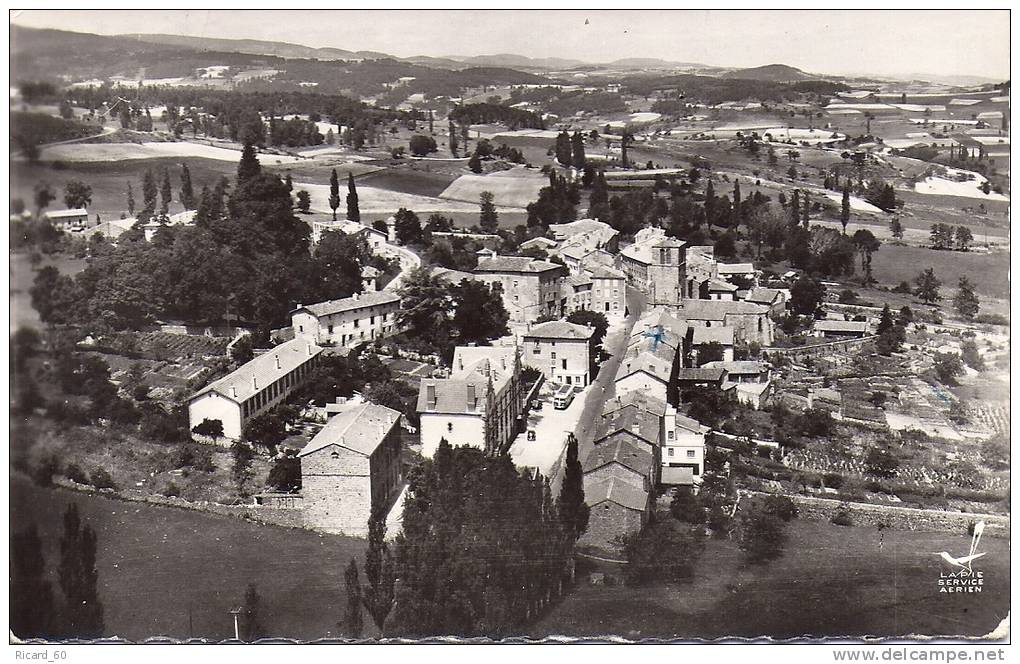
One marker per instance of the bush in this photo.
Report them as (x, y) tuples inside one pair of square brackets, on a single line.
[(720, 522), (75, 474), (662, 547), (833, 480), (101, 479), (686, 507), (762, 535), (171, 490), (991, 319), (48, 466), (780, 506), (842, 516)]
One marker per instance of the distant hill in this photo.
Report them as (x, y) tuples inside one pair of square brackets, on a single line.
[(774, 73), (249, 46), (518, 61)]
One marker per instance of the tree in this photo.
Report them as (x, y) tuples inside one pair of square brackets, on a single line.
[(337, 264), (66, 110), (488, 219), (422, 145), (251, 628), (762, 534), (577, 148), (211, 428), (687, 507), (941, 236), (353, 622), (594, 319), (963, 238), (33, 610), (971, 357), (334, 192), (475, 163), (77, 194), (966, 301), (664, 547), (266, 430), (304, 202), (379, 573), (806, 296), (130, 200), (82, 615), (285, 475), (896, 227), (844, 213), (479, 313), (426, 308), (165, 192), (408, 227), (187, 193), (242, 351), (564, 154), (353, 213), (288, 181), (571, 506), (866, 244), (148, 193), (947, 367), (242, 455), (881, 462), (928, 286), (248, 167)]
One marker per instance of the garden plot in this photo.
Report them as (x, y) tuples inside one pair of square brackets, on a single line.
[(374, 200), (515, 188), (99, 152)]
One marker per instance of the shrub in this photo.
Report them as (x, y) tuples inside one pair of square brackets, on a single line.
[(842, 516), (686, 507), (48, 466), (991, 319), (832, 480), (101, 479), (662, 547), (762, 535), (171, 490), (720, 522), (75, 474), (780, 506)]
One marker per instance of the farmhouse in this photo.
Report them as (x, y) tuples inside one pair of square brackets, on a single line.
[(562, 351), (349, 321), (373, 236), (351, 469), (752, 381), (479, 405), (773, 298), (255, 387), (645, 368), (690, 377), (531, 287), (840, 329), (590, 233), (69, 221)]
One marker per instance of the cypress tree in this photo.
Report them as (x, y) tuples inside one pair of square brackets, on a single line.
[(379, 572), (353, 622), (564, 154), (187, 196), (249, 165), (844, 213), (32, 607), (148, 193), (577, 148), (289, 181), (736, 203), (165, 192), (795, 208), (82, 616), (572, 509), (353, 213), (334, 192), (806, 216), (130, 200)]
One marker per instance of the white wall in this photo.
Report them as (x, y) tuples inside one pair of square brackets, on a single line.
[(576, 353), (214, 406), (641, 382), (467, 430)]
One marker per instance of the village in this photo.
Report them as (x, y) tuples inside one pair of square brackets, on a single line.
[(667, 328)]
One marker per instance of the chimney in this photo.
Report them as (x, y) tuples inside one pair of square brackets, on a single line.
[(810, 398), (356, 296), (254, 383), (430, 396), (277, 358), (309, 350), (233, 391)]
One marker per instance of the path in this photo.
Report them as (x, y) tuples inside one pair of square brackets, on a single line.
[(409, 261), (603, 387)]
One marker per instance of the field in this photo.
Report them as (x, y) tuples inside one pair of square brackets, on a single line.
[(376, 201), (163, 568), (514, 188), (988, 272), (832, 581)]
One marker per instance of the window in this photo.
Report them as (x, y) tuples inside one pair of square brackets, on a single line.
[(301, 328), (516, 298), (553, 355), (371, 320), (538, 349), (515, 284), (449, 426), (564, 364), (356, 322), (671, 435), (670, 451), (690, 454), (329, 330)]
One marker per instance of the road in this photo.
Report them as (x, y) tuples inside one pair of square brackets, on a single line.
[(603, 387), (409, 261)]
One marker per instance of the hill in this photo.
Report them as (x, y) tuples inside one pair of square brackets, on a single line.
[(249, 46), (775, 73)]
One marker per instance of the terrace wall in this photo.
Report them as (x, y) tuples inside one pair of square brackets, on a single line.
[(900, 518), (842, 346)]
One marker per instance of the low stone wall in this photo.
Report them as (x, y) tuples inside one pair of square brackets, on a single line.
[(899, 518), (794, 352)]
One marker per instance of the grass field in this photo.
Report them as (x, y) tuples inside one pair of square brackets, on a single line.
[(103, 152), (513, 191), (988, 272), (832, 581), (158, 566), (409, 180)]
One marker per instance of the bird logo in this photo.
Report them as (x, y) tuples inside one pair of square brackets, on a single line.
[(965, 562), (657, 334)]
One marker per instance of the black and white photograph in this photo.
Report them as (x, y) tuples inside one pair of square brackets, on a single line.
[(550, 326)]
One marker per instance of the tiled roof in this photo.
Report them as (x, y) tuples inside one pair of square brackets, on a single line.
[(764, 295), (451, 394), (648, 363), (690, 424), (645, 402), (259, 373), (603, 272), (502, 357), (738, 367), (631, 420), (720, 285), (841, 326), (578, 280), (560, 329), (583, 226), (736, 268), (360, 301), (718, 309), (673, 327), (575, 251), (642, 251), (360, 428), (522, 264), (449, 276), (542, 242), (701, 373), (60, 214), (623, 452), (617, 491), (677, 476)]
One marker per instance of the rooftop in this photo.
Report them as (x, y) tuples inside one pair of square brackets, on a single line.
[(643, 251), (631, 420), (623, 452), (361, 428), (736, 268), (502, 357), (711, 374), (603, 272), (718, 309), (356, 301), (706, 335), (617, 491), (521, 264), (581, 226), (681, 476), (742, 367), (560, 329), (262, 371), (841, 326), (63, 214), (640, 400), (718, 285), (764, 295)]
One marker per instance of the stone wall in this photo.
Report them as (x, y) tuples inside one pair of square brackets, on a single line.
[(337, 491), (900, 518), (607, 522), (796, 352)]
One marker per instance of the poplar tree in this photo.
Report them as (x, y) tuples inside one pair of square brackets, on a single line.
[(577, 148), (187, 196), (353, 213), (148, 193), (353, 622), (334, 192), (130, 200), (966, 301), (570, 504), (379, 572), (844, 213), (488, 218), (82, 615), (32, 606)]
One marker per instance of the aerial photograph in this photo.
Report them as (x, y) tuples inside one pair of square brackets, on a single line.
[(494, 326)]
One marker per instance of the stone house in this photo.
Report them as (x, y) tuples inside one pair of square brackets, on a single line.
[(562, 351), (617, 509), (609, 291), (349, 321), (531, 287), (751, 322), (351, 469), (656, 266)]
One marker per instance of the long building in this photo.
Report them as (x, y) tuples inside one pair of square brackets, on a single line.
[(255, 387), (348, 321)]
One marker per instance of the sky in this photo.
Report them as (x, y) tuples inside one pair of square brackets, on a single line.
[(891, 43)]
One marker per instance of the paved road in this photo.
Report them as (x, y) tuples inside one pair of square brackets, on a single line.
[(603, 387)]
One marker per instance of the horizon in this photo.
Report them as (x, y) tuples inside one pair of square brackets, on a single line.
[(979, 46)]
